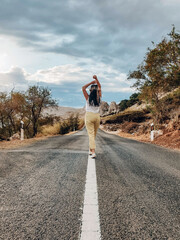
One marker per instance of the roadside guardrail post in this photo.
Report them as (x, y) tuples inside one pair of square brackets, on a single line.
[(152, 131), (22, 130)]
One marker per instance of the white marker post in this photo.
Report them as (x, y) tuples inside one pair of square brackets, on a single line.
[(22, 131), (152, 132)]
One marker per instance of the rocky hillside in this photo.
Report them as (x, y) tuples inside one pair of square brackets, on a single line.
[(135, 122)]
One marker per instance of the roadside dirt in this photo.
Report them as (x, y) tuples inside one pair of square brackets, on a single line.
[(18, 143), (169, 140)]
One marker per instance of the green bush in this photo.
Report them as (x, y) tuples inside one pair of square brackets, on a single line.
[(134, 98)]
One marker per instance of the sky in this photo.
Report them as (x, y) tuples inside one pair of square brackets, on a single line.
[(62, 44)]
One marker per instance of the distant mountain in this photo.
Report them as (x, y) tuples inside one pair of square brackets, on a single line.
[(63, 112)]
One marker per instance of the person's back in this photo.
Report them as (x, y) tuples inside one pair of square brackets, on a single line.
[(92, 108)]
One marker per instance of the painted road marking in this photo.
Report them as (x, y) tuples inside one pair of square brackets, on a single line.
[(90, 220)]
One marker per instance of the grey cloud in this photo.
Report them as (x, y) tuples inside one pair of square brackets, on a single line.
[(69, 91), (16, 74), (15, 78), (115, 32)]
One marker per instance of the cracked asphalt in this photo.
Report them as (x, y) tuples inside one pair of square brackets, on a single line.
[(42, 189)]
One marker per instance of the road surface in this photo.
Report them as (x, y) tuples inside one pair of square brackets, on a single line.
[(42, 189)]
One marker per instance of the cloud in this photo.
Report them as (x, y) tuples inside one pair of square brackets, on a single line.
[(66, 80), (14, 78), (58, 75), (118, 89), (77, 39), (117, 33), (68, 74)]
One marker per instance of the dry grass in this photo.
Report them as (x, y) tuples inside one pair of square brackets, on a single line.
[(81, 123), (47, 130)]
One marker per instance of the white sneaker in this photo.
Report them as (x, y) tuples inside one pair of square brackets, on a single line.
[(93, 155), (90, 153)]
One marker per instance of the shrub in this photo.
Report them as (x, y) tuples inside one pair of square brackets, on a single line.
[(135, 116), (65, 127), (129, 127), (50, 129), (73, 123)]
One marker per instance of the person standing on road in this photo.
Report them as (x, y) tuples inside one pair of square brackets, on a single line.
[(92, 116)]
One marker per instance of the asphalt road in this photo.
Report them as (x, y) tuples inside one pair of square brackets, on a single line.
[(42, 189)]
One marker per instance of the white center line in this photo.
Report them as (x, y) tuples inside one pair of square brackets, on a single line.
[(90, 220)]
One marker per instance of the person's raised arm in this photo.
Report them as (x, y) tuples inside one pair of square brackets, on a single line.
[(84, 89), (99, 85)]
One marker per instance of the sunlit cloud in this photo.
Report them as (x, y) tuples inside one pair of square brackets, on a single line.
[(70, 77)]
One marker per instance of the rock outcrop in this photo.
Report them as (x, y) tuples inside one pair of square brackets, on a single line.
[(104, 108), (113, 108), (107, 109), (15, 136)]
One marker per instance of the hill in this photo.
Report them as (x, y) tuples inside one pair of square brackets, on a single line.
[(135, 122), (63, 112)]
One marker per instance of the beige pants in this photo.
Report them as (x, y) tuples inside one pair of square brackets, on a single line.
[(92, 122)]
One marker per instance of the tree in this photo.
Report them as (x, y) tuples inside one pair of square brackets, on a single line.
[(134, 98), (123, 105), (70, 124), (159, 73), (38, 98), (16, 109), (11, 111), (3, 116)]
